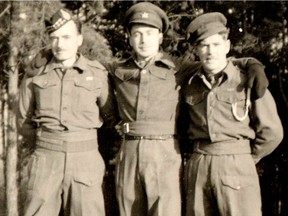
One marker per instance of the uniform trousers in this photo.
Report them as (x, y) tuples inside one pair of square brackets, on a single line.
[(148, 174), (225, 185), (71, 181)]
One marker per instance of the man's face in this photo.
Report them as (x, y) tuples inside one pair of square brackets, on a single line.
[(65, 41), (145, 41), (212, 52)]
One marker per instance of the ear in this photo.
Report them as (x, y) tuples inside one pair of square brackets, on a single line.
[(195, 49), (128, 37), (227, 46), (160, 38), (80, 40)]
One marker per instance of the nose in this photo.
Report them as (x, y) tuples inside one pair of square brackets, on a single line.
[(143, 38), (211, 49), (59, 43)]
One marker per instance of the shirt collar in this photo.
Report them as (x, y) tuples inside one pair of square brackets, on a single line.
[(160, 59), (81, 64), (230, 71)]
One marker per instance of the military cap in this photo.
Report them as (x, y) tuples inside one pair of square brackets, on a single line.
[(205, 26), (146, 13), (58, 19)]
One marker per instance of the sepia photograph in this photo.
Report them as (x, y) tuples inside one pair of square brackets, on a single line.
[(143, 108)]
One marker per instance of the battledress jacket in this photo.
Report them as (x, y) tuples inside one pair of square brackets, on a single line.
[(79, 100), (216, 113), (148, 95)]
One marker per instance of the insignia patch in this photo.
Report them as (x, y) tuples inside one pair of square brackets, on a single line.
[(89, 78)]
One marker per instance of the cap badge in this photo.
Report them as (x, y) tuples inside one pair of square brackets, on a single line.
[(65, 16), (144, 15)]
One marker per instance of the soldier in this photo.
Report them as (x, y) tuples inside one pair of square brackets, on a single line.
[(230, 128), (61, 106), (148, 169)]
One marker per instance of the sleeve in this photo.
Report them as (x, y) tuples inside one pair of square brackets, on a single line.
[(107, 101), (267, 125), (25, 112), (186, 70), (257, 79)]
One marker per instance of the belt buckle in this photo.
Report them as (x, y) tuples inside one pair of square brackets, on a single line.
[(125, 128)]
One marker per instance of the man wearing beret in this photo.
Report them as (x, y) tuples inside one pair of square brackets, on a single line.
[(61, 106), (230, 128)]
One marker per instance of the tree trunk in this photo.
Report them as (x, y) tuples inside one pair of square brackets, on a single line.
[(11, 157), (12, 136)]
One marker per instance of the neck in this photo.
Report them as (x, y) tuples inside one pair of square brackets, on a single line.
[(216, 70), (69, 62), (145, 59)]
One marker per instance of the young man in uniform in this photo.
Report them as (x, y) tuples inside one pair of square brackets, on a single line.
[(230, 128), (61, 107)]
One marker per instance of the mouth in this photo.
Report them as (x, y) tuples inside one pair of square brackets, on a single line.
[(211, 59), (60, 51)]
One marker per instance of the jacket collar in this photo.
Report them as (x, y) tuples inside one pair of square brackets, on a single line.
[(81, 64), (161, 59)]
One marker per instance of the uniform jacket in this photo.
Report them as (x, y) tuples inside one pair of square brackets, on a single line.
[(76, 101), (211, 116)]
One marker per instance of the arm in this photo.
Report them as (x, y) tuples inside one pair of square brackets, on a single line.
[(26, 106), (186, 70), (107, 102), (267, 125), (257, 80)]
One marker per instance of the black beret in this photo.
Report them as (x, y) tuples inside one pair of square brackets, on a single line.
[(147, 13), (58, 19), (205, 26)]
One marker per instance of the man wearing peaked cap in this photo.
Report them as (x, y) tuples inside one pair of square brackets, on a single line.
[(61, 106), (230, 131), (148, 169)]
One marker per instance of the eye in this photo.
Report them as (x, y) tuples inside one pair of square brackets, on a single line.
[(66, 36), (135, 34)]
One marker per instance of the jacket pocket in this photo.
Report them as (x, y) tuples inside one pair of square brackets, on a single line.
[(235, 102), (88, 83), (86, 92), (47, 91), (231, 97)]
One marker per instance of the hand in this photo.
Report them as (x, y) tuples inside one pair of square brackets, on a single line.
[(256, 80), (40, 60), (119, 129), (256, 77)]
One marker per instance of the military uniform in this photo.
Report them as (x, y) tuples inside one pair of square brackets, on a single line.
[(62, 108), (148, 169), (228, 134)]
